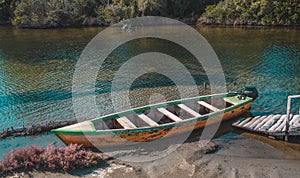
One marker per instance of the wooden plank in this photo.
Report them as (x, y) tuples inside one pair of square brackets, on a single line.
[(282, 125), (258, 121), (292, 118), (189, 110), (244, 122), (126, 123), (277, 124), (294, 122), (147, 119), (262, 120), (295, 119), (237, 122), (169, 114), (252, 121), (270, 122), (210, 107), (295, 127)]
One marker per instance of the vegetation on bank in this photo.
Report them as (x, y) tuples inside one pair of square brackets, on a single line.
[(253, 12), (65, 13), (50, 159)]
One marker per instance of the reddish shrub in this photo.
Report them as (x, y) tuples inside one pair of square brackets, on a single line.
[(51, 158)]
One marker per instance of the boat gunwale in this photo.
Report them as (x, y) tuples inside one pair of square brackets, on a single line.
[(156, 105), (149, 128)]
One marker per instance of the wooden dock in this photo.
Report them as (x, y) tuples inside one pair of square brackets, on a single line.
[(272, 125)]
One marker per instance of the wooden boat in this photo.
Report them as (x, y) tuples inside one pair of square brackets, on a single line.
[(155, 121)]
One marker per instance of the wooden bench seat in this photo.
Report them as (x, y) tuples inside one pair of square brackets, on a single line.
[(169, 114), (126, 123), (189, 110), (208, 106), (147, 119)]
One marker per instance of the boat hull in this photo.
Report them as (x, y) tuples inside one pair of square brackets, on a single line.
[(129, 137)]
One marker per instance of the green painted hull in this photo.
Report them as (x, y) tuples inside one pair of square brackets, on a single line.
[(232, 98)]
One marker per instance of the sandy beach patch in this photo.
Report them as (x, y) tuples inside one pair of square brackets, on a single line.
[(231, 155)]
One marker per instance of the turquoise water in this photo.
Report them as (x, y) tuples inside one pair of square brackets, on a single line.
[(37, 66), (266, 58)]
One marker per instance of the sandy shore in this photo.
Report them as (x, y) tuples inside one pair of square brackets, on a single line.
[(233, 156)]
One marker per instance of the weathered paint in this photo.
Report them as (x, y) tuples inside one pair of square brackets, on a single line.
[(84, 130), (115, 139)]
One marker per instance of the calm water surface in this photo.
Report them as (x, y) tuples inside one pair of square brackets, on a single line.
[(36, 70)]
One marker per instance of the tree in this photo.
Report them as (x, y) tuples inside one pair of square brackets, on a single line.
[(255, 12), (6, 10)]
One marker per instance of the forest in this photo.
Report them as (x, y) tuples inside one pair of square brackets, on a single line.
[(247, 12), (66, 13)]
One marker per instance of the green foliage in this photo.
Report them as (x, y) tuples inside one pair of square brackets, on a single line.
[(6, 10), (64, 13), (54, 13), (152, 7), (254, 12), (118, 10), (61, 13)]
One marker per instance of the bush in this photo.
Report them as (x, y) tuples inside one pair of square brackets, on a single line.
[(51, 158), (117, 11), (7, 10), (257, 12), (58, 13), (54, 13)]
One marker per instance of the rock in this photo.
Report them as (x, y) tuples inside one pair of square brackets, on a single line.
[(144, 153), (203, 21)]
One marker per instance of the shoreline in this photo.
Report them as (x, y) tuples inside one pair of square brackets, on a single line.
[(238, 158), (211, 166), (197, 25)]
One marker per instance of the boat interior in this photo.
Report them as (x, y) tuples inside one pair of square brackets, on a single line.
[(157, 116)]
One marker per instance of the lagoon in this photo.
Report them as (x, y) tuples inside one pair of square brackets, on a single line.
[(37, 66)]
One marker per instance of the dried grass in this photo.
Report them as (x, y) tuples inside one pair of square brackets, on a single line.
[(50, 158)]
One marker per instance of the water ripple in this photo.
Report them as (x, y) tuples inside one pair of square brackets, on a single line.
[(36, 69)]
